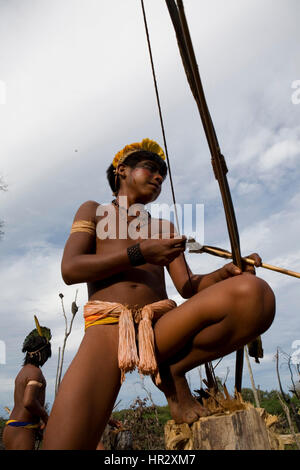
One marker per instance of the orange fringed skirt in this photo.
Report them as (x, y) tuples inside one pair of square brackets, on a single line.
[(97, 312)]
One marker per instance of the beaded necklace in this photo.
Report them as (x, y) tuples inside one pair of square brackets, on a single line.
[(144, 215)]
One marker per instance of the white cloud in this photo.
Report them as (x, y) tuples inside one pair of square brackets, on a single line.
[(79, 87), (282, 153), (6, 384)]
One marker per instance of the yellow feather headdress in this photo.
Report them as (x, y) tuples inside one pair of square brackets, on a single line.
[(38, 327), (146, 144), (31, 339), (42, 331)]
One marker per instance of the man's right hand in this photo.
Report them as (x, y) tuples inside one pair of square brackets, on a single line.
[(163, 251)]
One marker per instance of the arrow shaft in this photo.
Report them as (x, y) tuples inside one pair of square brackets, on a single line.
[(227, 255)]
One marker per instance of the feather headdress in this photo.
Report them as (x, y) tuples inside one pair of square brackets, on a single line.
[(146, 144), (36, 338)]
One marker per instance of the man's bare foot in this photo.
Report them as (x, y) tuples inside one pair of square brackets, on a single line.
[(184, 408)]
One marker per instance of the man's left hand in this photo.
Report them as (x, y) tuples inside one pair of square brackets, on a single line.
[(248, 268), (230, 269)]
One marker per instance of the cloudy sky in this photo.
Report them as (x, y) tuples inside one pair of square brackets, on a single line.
[(76, 86)]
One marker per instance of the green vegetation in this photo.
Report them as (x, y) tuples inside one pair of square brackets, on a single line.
[(146, 423), (269, 400)]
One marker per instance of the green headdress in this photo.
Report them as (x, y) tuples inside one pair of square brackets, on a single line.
[(37, 339)]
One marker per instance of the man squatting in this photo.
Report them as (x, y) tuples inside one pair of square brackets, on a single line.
[(224, 309)]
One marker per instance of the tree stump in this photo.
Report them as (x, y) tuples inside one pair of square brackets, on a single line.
[(237, 430)]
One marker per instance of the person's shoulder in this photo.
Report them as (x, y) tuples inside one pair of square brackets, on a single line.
[(30, 372), (87, 210), (89, 205), (36, 376)]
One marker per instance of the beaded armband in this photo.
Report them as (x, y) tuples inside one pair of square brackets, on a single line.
[(84, 226), (135, 255)]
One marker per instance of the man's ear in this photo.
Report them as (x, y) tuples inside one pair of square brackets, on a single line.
[(122, 170)]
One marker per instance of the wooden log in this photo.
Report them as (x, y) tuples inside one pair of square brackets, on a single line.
[(239, 430), (289, 439)]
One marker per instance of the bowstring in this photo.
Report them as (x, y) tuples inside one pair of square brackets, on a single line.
[(163, 131)]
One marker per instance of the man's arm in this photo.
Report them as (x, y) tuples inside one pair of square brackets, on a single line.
[(188, 284), (31, 400), (80, 263)]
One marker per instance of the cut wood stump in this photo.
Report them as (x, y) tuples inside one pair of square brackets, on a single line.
[(232, 425), (237, 430)]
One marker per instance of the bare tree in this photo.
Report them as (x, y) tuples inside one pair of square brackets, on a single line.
[(288, 416), (286, 397)]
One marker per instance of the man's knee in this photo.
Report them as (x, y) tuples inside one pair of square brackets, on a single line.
[(248, 286), (269, 306), (256, 293)]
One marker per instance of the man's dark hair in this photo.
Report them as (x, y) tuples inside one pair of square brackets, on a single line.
[(132, 161), (37, 348)]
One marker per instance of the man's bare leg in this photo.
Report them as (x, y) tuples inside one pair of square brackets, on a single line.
[(87, 393), (212, 324)]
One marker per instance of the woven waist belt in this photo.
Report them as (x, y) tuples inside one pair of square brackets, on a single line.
[(97, 312), (22, 424)]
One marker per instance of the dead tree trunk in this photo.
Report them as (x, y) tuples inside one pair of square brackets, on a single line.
[(240, 430)]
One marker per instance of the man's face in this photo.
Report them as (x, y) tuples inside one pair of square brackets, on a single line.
[(145, 179)]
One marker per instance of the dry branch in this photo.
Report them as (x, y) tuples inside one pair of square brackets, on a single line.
[(288, 416), (74, 310)]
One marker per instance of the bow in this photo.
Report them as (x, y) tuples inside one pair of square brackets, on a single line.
[(186, 49)]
